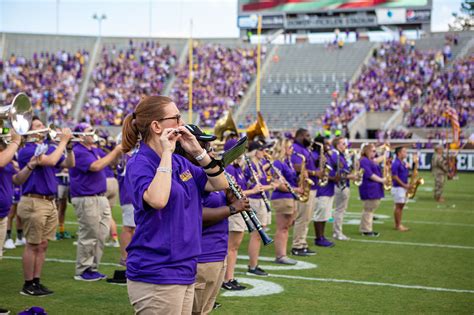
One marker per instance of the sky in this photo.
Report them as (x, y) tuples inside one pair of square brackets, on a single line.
[(155, 18)]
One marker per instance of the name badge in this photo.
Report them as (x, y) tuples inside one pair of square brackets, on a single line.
[(185, 176)]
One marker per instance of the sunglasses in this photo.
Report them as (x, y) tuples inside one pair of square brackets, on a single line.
[(177, 117)]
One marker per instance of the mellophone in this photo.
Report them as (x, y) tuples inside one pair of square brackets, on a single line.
[(249, 217)]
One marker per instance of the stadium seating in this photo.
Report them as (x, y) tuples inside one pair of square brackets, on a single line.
[(221, 77), (123, 75)]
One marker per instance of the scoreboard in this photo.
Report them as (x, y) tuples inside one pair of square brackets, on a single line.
[(324, 15)]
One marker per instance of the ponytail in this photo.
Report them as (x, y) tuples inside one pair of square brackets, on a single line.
[(130, 134)]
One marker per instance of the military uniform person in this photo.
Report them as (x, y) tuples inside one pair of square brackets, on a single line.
[(439, 167)]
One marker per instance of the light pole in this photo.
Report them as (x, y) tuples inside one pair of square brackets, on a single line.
[(99, 19)]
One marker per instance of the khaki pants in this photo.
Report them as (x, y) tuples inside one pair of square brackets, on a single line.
[(260, 210), (368, 214), (341, 201), (93, 216), (153, 299), (209, 279), (39, 217), (439, 185), (112, 192), (304, 213), (3, 233)]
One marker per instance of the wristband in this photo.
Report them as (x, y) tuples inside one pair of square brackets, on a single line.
[(232, 210), (211, 164), (29, 167), (221, 169), (201, 156), (164, 170)]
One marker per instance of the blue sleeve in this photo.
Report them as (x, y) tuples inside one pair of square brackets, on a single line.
[(140, 175), (24, 156), (396, 168), (83, 160), (365, 164)]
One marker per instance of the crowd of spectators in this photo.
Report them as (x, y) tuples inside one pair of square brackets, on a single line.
[(221, 76), (122, 77), (452, 87), (51, 80)]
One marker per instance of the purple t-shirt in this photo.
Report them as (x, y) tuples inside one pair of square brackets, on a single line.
[(84, 182), (125, 190), (214, 237), (370, 189), (250, 181), (328, 190), (6, 189), (167, 242), (109, 173), (42, 180), (287, 170), (238, 175), (399, 169), (310, 162)]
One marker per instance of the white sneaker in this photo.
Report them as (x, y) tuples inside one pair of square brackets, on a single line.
[(340, 237), (20, 242), (9, 244), (112, 243)]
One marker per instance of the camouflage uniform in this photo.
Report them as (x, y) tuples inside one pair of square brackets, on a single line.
[(439, 167)]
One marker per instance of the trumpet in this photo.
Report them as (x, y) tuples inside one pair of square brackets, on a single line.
[(249, 217)]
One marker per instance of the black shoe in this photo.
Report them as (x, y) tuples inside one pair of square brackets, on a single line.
[(371, 234), (237, 285), (232, 285), (44, 289), (299, 252), (257, 271), (309, 252), (31, 290), (4, 311), (216, 306)]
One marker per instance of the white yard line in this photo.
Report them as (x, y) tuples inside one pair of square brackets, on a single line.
[(368, 283), (411, 244), (439, 223)]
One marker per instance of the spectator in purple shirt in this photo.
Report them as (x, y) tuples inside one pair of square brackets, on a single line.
[(167, 197), (399, 186), (37, 207)]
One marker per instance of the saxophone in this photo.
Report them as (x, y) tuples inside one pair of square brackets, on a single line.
[(387, 168), (303, 181), (415, 180), (359, 172), (323, 167)]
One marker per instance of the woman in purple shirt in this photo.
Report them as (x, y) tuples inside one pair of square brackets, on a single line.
[(371, 189), (167, 189), (399, 186), (283, 201)]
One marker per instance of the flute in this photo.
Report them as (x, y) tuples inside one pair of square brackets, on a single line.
[(249, 217), (255, 178)]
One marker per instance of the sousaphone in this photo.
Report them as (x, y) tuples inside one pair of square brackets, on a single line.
[(258, 128), (19, 113)]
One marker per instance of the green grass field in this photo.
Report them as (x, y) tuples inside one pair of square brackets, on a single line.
[(429, 269)]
